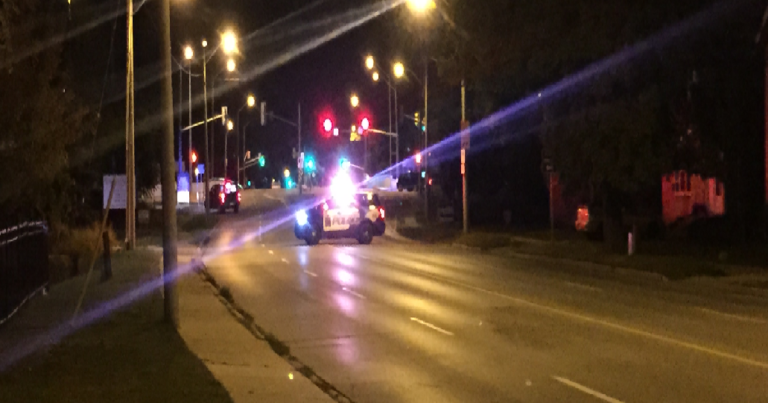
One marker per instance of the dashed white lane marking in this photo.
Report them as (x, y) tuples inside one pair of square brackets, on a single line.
[(742, 318), (582, 286), (431, 326), (353, 293), (284, 260), (310, 273), (271, 252), (586, 390), (612, 325)]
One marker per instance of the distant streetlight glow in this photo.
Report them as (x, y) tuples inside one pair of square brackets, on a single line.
[(287, 173), (231, 65), (421, 6), (229, 42), (369, 63), (230, 125), (205, 43), (189, 53), (376, 76), (251, 101), (355, 101), (399, 70)]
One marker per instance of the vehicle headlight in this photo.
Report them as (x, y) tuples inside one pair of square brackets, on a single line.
[(302, 218)]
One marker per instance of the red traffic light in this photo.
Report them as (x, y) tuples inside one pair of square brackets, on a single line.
[(365, 124), (194, 157), (328, 125)]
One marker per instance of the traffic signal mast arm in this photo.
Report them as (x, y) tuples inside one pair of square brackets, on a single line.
[(382, 132), (203, 122), (282, 119)]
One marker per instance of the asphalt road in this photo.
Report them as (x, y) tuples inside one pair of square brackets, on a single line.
[(401, 322)]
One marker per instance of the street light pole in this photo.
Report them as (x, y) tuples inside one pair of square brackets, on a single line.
[(426, 137), (189, 155), (298, 155), (207, 173), (168, 181), (130, 163)]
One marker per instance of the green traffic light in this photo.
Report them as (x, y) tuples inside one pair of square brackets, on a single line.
[(262, 161)]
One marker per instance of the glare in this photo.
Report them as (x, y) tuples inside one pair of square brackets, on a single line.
[(229, 42), (302, 218), (328, 125), (231, 65), (399, 70), (230, 125), (189, 53), (342, 188), (205, 43), (365, 124), (355, 101), (369, 63), (251, 101), (375, 76), (287, 173)]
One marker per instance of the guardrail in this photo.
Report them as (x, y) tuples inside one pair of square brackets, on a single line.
[(23, 265)]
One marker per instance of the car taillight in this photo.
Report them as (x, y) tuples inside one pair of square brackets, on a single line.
[(222, 197), (239, 197), (325, 206), (381, 212)]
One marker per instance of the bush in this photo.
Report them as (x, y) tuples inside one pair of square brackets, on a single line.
[(80, 241)]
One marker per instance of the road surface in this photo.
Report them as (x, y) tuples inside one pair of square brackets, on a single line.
[(401, 322)]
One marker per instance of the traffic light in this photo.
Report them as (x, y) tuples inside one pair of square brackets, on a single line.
[(365, 124), (309, 163), (193, 157), (417, 158), (416, 119), (328, 125), (262, 161), (344, 163)]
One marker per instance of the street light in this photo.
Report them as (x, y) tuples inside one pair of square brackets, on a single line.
[(421, 6), (287, 173), (230, 125), (399, 70), (369, 63), (231, 65), (355, 101), (229, 42), (189, 53), (376, 76), (251, 101)]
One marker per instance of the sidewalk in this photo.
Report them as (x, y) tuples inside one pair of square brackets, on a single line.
[(245, 365)]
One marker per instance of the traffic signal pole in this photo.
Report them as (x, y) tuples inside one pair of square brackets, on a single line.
[(207, 173), (426, 138), (464, 127)]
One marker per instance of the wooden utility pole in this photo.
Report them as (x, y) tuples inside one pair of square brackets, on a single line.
[(130, 162), (168, 171)]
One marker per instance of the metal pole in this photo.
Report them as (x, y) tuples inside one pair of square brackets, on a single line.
[(551, 210), (298, 155), (237, 160), (389, 105), (170, 306), (206, 174), (181, 124), (464, 201), (226, 141), (426, 138), (130, 163), (213, 128), (189, 155), (397, 136)]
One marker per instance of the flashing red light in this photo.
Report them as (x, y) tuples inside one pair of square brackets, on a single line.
[(365, 123), (328, 125), (239, 197), (222, 197), (194, 157), (381, 212), (430, 181)]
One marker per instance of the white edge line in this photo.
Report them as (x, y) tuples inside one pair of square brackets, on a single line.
[(310, 273), (431, 326), (583, 286), (353, 293), (586, 390), (742, 318)]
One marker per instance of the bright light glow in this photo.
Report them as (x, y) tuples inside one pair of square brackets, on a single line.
[(354, 101), (375, 76), (417, 158), (328, 125), (369, 63), (229, 42), (336, 132), (287, 173), (231, 65), (197, 171), (205, 43), (189, 53), (194, 157), (230, 125), (302, 218), (342, 189), (399, 70), (251, 101), (421, 6), (365, 124)]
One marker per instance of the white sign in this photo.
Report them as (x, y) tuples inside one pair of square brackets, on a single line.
[(119, 200), (301, 162)]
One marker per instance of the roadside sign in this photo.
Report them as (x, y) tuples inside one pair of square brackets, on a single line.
[(301, 161), (119, 199), (464, 135)]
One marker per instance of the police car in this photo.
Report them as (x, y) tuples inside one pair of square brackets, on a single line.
[(360, 217)]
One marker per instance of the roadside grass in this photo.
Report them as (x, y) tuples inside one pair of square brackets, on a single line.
[(131, 356)]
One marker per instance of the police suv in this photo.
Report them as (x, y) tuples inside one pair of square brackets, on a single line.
[(360, 217)]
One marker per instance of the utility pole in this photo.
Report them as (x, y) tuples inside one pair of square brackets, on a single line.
[(206, 174), (298, 155), (130, 163), (464, 148), (426, 137), (397, 137), (170, 306), (189, 155)]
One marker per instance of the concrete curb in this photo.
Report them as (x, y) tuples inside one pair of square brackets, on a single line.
[(280, 348)]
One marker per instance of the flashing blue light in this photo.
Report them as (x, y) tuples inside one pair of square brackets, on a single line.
[(423, 174), (310, 164), (302, 218)]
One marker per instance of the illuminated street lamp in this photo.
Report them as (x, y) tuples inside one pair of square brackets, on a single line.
[(189, 53), (230, 125), (251, 101), (376, 76), (355, 101), (399, 70), (421, 6), (231, 65), (229, 42), (369, 63)]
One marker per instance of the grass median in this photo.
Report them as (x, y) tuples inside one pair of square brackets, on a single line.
[(131, 356)]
